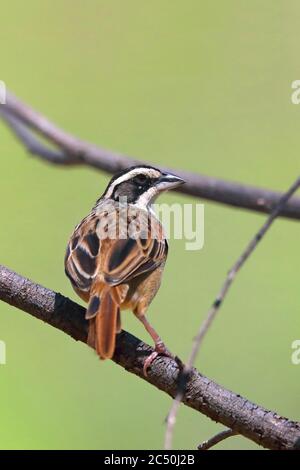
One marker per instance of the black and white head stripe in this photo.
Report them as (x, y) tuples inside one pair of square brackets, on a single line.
[(132, 183), (139, 185), (131, 175)]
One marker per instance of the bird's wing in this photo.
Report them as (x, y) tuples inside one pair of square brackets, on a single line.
[(129, 257), (82, 255), (116, 257)]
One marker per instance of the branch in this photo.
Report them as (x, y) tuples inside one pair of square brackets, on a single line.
[(264, 427), (221, 436), (214, 309), (32, 143), (72, 151)]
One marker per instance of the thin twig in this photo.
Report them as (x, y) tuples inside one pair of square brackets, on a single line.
[(75, 151), (171, 419), (264, 427), (221, 436)]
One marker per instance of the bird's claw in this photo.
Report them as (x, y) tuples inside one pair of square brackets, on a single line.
[(149, 361), (160, 350)]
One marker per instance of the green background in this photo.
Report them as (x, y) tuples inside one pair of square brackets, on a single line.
[(204, 86)]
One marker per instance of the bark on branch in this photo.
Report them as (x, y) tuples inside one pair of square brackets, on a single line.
[(26, 123), (262, 426)]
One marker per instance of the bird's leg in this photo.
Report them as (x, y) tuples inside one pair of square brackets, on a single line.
[(160, 347)]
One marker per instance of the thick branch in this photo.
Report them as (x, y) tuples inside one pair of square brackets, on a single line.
[(264, 427), (73, 151)]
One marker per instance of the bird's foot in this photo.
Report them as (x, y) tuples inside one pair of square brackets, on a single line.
[(149, 361), (160, 350)]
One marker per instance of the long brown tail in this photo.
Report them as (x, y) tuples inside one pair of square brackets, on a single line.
[(104, 317), (106, 325)]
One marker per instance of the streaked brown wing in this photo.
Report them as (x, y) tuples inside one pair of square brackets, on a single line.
[(129, 258), (116, 259), (81, 264)]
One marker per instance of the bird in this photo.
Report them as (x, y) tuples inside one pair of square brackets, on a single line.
[(116, 256)]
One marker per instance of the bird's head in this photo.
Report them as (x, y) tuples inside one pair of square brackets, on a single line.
[(140, 185)]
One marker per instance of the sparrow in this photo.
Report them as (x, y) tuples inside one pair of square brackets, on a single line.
[(116, 256)]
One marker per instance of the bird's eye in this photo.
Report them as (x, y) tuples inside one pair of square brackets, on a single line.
[(141, 179)]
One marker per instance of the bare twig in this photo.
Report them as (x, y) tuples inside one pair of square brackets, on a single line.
[(171, 419), (221, 436), (264, 427), (73, 151)]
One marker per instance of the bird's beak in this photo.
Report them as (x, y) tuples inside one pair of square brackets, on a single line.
[(168, 181)]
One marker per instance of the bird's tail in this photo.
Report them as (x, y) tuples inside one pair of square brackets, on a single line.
[(103, 313)]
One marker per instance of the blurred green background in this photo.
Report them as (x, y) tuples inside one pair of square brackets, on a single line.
[(204, 86)]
